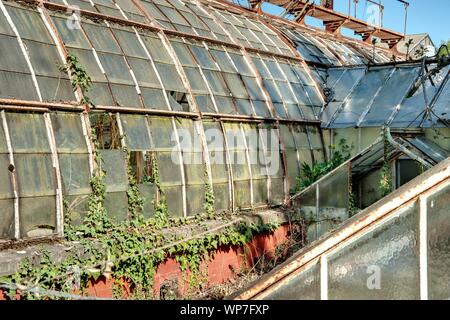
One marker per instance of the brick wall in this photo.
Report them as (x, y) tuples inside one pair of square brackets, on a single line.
[(224, 265)]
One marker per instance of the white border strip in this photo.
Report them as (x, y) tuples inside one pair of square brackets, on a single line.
[(423, 245)]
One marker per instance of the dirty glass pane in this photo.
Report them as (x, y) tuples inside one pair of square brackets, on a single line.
[(183, 53), (223, 61), (116, 204), (37, 216), (17, 86), (4, 26), (101, 38), (35, 175), (126, 96), (116, 68), (45, 59), (357, 104), (87, 59), (14, 60), (306, 207), (28, 132), (292, 167), (333, 200), (244, 107), (6, 191), (225, 105), (129, 43), (194, 169), (75, 173), (242, 194), (391, 251), (216, 82), (277, 191), (6, 219), (169, 167), (196, 80), (114, 164), (29, 24), (174, 201), (203, 57), (101, 94), (3, 146), (195, 199), (170, 77), (221, 194), (260, 193), (261, 108), (68, 132), (53, 89), (71, 37), (163, 135), (253, 88), (154, 99), (303, 286), (136, 132), (236, 85), (156, 49), (144, 72), (205, 103), (78, 208), (438, 245), (241, 64)]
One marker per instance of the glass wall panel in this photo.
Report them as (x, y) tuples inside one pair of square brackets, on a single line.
[(302, 286), (438, 245), (390, 250)]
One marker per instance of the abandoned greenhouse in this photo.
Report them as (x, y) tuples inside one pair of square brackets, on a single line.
[(158, 149)]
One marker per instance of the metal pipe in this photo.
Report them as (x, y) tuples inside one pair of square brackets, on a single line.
[(405, 150)]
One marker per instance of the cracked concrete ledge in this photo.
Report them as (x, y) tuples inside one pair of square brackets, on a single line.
[(11, 259)]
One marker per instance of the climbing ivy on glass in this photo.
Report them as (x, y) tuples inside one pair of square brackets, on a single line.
[(208, 206), (130, 251), (135, 200), (79, 77)]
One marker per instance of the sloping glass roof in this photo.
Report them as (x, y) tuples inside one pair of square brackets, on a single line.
[(388, 95)]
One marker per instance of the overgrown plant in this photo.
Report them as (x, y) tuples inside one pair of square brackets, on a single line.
[(386, 170), (129, 252), (135, 200), (208, 205), (97, 220), (79, 77), (352, 205)]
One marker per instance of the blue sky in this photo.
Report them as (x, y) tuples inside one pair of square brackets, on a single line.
[(424, 16)]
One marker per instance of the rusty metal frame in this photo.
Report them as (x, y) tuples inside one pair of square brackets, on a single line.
[(56, 167), (12, 175)]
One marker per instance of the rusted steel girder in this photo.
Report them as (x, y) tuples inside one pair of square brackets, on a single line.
[(332, 19)]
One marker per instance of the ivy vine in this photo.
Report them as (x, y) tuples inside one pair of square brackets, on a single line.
[(386, 170), (79, 77)]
